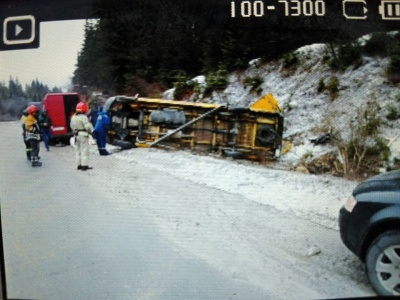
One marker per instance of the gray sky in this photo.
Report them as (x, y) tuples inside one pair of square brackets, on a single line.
[(53, 63)]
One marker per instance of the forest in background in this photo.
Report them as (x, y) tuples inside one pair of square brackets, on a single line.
[(14, 97), (146, 46)]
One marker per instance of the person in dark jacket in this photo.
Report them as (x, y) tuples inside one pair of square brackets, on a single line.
[(45, 126), (32, 130), (100, 131), (28, 149), (93, 114)]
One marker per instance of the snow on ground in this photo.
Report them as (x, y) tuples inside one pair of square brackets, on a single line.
[(309, 113), (314, 198), (295, 155)]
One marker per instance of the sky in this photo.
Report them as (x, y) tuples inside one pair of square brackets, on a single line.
[(53, 63)]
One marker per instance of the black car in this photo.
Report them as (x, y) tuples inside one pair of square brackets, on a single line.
[(370, 227)]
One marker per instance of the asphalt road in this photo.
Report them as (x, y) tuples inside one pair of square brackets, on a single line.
[(66, 237), (136, 234)]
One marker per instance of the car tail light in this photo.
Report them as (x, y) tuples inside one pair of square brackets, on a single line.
[(350, 204)]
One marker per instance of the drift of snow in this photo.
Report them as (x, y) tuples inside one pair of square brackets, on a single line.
[(314, 198)]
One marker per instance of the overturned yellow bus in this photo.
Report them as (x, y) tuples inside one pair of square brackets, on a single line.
[(253, 132)]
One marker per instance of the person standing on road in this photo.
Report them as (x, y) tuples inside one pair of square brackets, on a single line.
[(45, 125), (28, 149), (100, 131), (82, 128), (32, 130), (93, 114)]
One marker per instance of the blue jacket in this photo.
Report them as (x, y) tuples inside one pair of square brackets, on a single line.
[(93, 114), (102, 123)]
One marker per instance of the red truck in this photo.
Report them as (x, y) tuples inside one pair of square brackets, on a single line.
[(60, 108)]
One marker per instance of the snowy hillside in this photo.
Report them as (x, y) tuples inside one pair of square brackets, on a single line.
[(309, 112)]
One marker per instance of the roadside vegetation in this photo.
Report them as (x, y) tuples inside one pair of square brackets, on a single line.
[(344, 55), (365, 151), (14, 97)]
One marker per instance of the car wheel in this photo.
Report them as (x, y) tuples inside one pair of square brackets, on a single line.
[(383, 263), (266, 135)]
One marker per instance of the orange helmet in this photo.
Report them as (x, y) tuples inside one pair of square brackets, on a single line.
[(81, 107), (32, 109)]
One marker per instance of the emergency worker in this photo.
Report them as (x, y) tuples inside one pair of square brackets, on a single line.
[(28, 149), (82, 129), (93, 114), (32, 130), (100, 131), (45, 125)]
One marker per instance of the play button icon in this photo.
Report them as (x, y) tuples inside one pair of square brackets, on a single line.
[(19, 30)]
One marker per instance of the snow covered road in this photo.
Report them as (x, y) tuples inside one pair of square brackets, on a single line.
[(278, 227), (274, 228)]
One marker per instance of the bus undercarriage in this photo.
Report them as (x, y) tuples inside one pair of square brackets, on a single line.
[(253, 132)]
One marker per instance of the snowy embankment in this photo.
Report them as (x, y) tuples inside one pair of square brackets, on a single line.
[(308, 112), (315, 198)]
